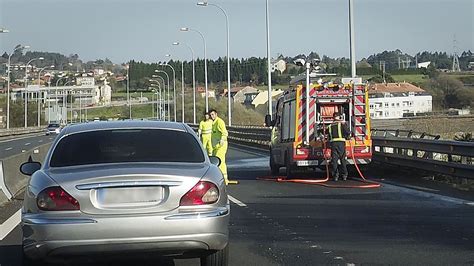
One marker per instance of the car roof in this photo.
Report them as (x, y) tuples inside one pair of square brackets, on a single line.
[(128, 124)]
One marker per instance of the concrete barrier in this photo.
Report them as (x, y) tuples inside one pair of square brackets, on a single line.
[(12, 181), (5, 133)]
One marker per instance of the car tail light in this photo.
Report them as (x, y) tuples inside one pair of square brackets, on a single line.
[(302, 151), (202, 193), (56, 199), (361, 149)]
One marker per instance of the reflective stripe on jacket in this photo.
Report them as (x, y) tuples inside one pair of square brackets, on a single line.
[(219, 131), (336, 134), (205, 127)]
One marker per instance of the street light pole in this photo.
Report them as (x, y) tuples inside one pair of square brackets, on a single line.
[(168, 96), (229, 96), (20, 47), (270, 110), (39, 92), (194, 79), (65, 100), (205, 64), (128, 93), (26, 89), (182, 91), (56, 96), (163, 117), (174, 86), (352, 38), (158, 96)]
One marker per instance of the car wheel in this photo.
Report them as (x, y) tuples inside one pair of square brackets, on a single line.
[(274, 168), (218, 258)]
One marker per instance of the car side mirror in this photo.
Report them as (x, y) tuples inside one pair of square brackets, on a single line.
[(215, 160), (268, 121), (29, 168)]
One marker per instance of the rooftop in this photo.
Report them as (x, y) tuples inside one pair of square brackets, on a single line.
[(393, 88)]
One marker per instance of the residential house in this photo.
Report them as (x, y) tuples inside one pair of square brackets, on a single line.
[(241, 95), (262, 97), (397, 100)]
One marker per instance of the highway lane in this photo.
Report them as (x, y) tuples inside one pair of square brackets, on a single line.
[(294, 224), (10, 147)]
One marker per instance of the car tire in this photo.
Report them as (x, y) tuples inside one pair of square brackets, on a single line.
[(218, 258), (274, 168)]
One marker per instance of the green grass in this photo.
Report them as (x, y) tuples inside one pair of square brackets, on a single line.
[(417, 78)]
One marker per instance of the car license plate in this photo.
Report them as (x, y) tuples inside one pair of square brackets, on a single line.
[(307, 163), (129, 196)]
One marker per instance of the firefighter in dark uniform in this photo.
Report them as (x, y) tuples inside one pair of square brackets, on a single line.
[(338, 133)]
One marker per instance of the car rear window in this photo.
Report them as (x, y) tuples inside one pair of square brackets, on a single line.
[(119, 146)]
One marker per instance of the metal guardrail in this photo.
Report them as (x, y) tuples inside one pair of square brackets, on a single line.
[(424, 151), (399, 147), (399, 133)]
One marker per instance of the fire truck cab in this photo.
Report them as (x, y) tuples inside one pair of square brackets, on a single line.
[(289, 148)]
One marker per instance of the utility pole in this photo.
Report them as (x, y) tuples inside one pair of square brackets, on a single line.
[(270, 110), (382, 68), (456, 66), (352, 38)]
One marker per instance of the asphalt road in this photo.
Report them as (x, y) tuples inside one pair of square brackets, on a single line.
[(295, 224), (10, 147)]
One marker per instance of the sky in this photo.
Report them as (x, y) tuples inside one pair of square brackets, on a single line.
[(144, 30)]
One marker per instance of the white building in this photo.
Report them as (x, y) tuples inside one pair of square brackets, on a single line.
[(279, 65), (262, 97), (397, 100), (240, 95), (424, 64)]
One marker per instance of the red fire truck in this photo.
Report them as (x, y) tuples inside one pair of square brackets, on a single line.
[(292, 147)]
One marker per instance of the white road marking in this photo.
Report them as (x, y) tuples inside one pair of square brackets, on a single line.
[(26, 144), (40, 140), (236, 201), (427, 195), (7, 149), (10, 224), (421, 188)]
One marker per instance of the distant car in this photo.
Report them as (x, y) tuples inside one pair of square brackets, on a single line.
[(126, 187), (53, 129)]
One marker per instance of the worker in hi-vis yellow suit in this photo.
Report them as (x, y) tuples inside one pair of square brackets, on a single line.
[(219, 143), (205, 131)]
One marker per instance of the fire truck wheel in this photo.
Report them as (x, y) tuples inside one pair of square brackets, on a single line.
[(274, 168)]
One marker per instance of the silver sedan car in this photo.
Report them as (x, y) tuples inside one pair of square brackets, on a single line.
[(124, 188)]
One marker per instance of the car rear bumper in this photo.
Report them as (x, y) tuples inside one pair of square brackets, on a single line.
[(184, 233)]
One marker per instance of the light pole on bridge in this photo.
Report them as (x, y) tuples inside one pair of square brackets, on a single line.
[(205, 63), (174, 85), (229, 95), (194, 80), (26, 88), (18, 47)]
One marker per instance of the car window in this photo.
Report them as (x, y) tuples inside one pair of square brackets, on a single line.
[(53, 125), (117, 146)]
